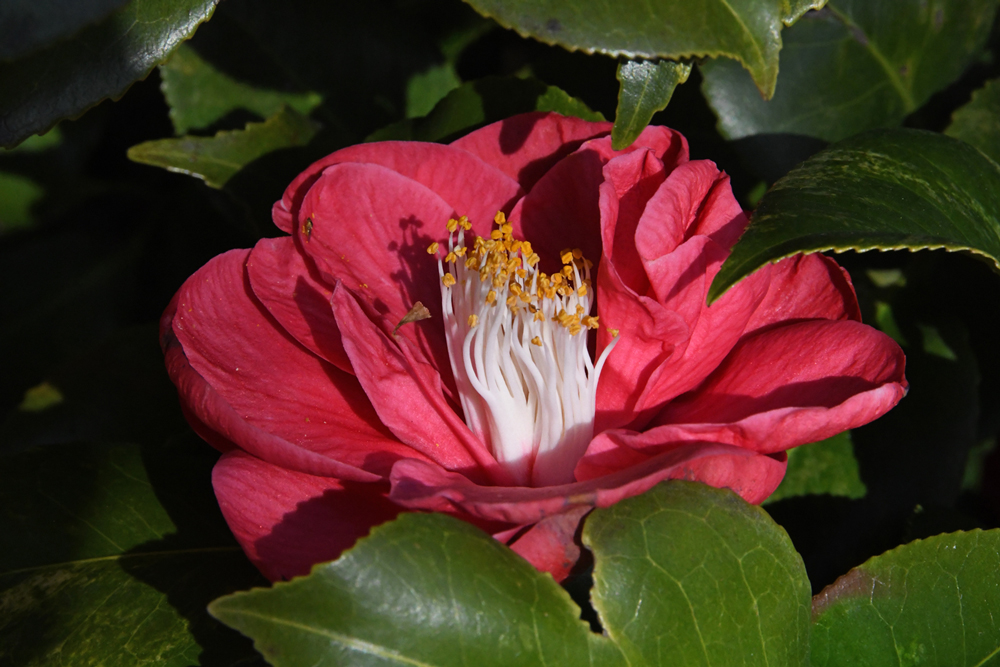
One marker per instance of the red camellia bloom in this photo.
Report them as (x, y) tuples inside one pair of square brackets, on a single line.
[(511, 329)]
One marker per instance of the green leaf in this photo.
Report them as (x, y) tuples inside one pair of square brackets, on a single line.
[(930, 602), (426, 589), (646, 87), (854, 66), (97, 63), (827, 467), (978, 122), (485, 101), (27, 25), (216, 159), (749, 32), (107, 564), (690, 575), (882, 190), (425, 89), (17, 195), (199, 94)]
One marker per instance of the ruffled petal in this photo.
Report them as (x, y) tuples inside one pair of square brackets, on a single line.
[(806, 287), (790, 385), (470, 185), (407, 395), (425, 486), (286, 521), (370, 229), (526, 146), (244, 378), (295, 295)]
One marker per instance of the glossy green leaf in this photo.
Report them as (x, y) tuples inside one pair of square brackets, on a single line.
[(978, 122), (822, 468), (425, 89), (106, 563), (854, 66), (747, 31), (97, 63), (199, 94), (646, 87), (27, 25), (426, 589), (690, 575), (216, 159), (931, 602), (485, 101), (882, 190)]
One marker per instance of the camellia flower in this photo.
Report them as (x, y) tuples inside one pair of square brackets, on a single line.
[(511, 329)]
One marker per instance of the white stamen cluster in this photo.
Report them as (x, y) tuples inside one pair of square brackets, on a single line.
[(524, 374)]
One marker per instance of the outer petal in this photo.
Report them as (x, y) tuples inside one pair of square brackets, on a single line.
[(295, 295), (287, 521), (243, 377), (550, 544), (526, 146), (407, 394), (807, 287), (370, 229), (470, 185), (421, 485), (790, 385)]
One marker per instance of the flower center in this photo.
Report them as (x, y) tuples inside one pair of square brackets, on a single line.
[(517, 339)]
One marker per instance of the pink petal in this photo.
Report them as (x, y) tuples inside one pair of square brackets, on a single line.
[(550, 544), (371, 228), (629, 182), (243, 377), (754, 477), (790, 385), (471, 186), (806, 287), (286, 521), (295, 295), (525, 147), (408, 397), (423, 485)]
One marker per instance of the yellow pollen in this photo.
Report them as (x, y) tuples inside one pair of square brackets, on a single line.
[(452, 225), (432, 248), (448, 280), (496, 235), (582, 290), (613, 332), (491, 297), (500, 218), (566, 256), (473, 320), (464, 223), (451, 257), (536, 341)]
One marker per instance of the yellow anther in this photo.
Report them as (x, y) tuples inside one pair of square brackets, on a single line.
[(500, 218), (525, 248), (472, 263), (450, 257), (521, 273), (613, 332), (556, 279), (496, 235), (566, 256), (460, 250), (579, 310), (498, 280), (464, 223), (564, 291), (432, 248), (536, 341), (532, 259), (577, 253), (525, 297), (473, 320), (574, 329), (515, 289), (452, 225), (511, 301), (539, 316), (567, 271), (582, 290), (491, 297), (448, 280), (507, 229)]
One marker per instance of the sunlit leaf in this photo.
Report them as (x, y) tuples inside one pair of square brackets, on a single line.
[(932, 602), (826, 467), (646, 87), (216, 159), (978, 122)]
